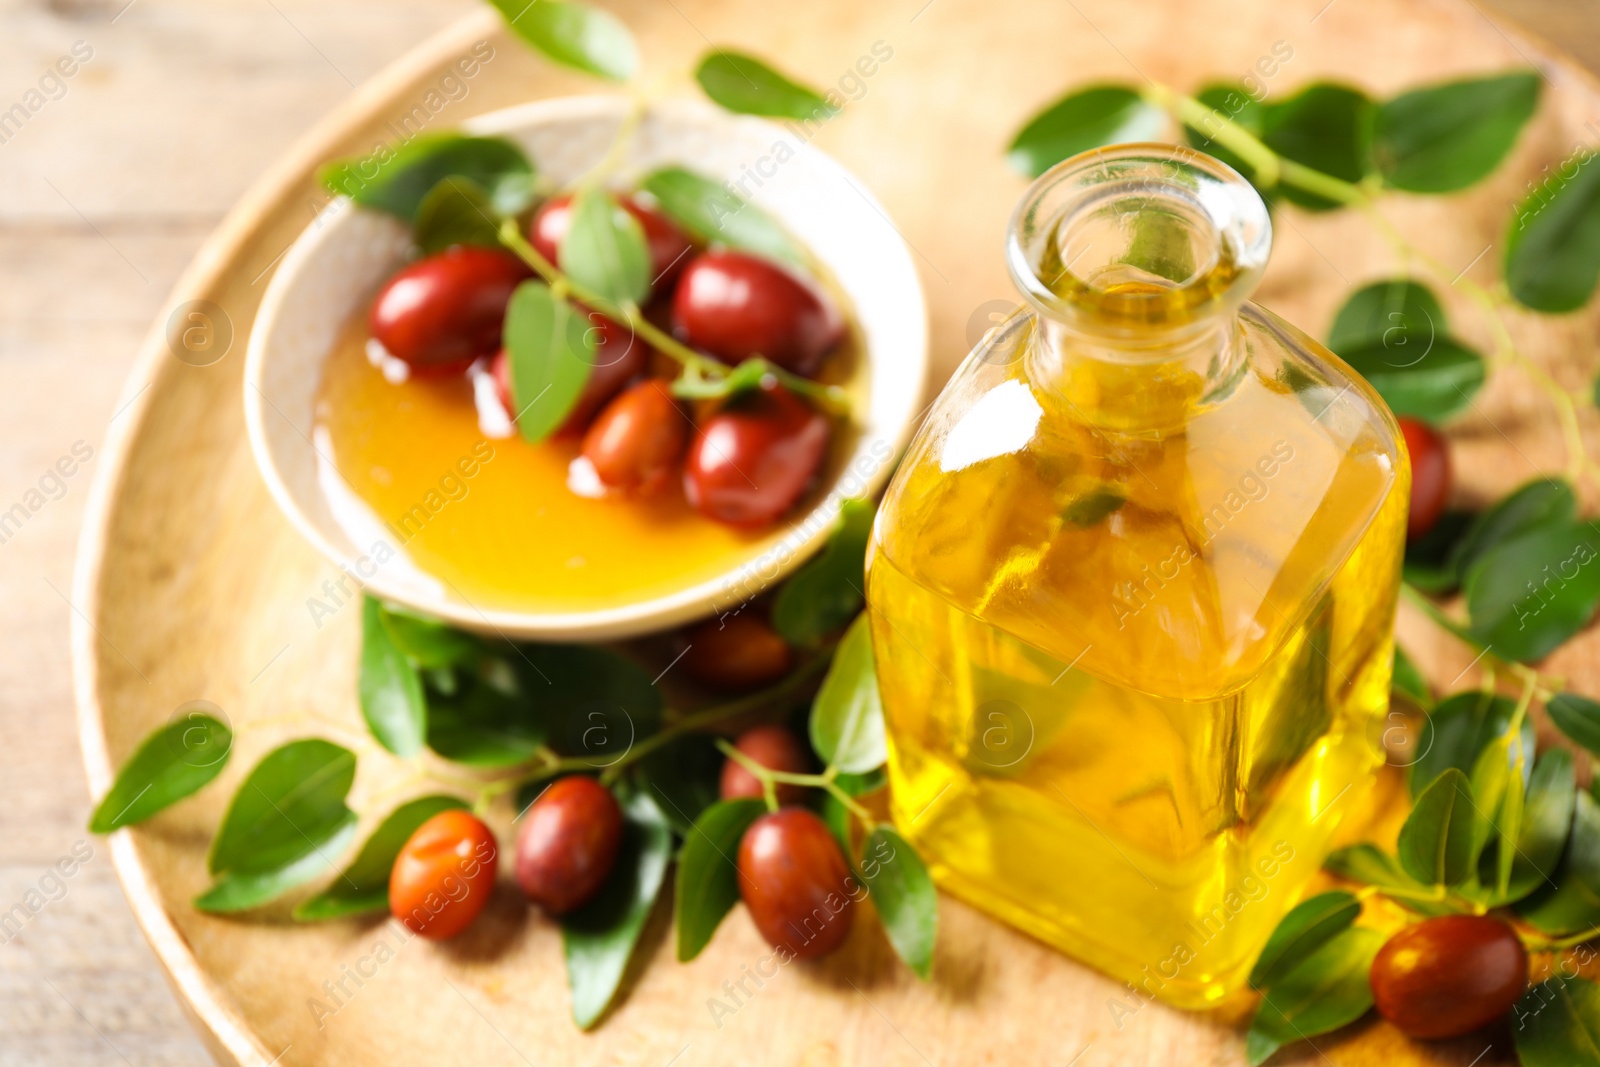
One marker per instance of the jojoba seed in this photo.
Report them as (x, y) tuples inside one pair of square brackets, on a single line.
[(637, 439), (445, 310), (775, 748), (1430, 476), (735, 653), (754, 458), (795, 881), (1449, 975), (568, 844), (443, 875), (735, 306)]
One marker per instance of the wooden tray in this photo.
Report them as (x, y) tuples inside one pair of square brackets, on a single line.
[(194, 587)]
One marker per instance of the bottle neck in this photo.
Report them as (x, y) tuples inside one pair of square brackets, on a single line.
[(1150, 384), (1137, 258)]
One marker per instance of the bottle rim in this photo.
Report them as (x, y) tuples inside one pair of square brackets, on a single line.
[(1228, 220)]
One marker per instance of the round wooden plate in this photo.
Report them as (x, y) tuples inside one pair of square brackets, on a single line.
[(192, 586)]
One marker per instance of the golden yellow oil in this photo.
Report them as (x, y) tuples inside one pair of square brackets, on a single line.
[(1133, 627)]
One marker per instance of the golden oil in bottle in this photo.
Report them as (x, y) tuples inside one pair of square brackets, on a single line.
[(1132, 589)]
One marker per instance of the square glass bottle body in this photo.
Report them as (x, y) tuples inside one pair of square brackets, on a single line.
[(1132, 620)]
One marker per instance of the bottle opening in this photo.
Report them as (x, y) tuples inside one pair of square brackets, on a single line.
[(1123, 239)]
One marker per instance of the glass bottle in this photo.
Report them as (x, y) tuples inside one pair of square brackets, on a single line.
[(1132, 589)]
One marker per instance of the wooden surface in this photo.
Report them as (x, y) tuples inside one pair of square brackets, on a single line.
[(108, 192)]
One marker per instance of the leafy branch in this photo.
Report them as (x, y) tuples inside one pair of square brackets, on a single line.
[(564, 287)]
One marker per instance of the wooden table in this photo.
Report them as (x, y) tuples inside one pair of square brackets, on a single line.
[(173, 109)]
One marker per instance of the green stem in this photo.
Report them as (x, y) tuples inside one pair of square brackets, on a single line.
[(1263, 161), (831, 397), (1536, 943), (626, 313), (1268, 168), (617, 151), (1436, 895), (827, 780), (548, 764), (790, 685), (1543, 684)]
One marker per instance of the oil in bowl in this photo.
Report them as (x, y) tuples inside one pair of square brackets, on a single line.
[(495, 520)]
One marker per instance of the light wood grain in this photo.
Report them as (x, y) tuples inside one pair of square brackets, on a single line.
[(109, 191)]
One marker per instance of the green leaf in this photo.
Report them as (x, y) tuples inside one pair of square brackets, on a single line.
[(1573, 904), (1435, 844), (1326, 127), (552, 354), (1577, 717), (400, 181), (1394, 334), (389, 687), (1530, 593), (487, 719), (604, 248), (1324, 991), (1308, 926), (745, 85), (1499, 793), (173, 762), (574, 35), (1447, 137), (1458, 729), (1570, 908), (1408, 680), (1546, 819), (1552, 256), (1430, 382), (287, 825), (1081, 120), (292, 800), (1541, 502), (240, 891), (429, 643), (1582, 859), (684, 778), (1386, 312), (904, 896), (712, 212), (600, 937), (1557, 1024), (847, 717), (827, 592), (1428, 563), (1369, 865), (364, 885), (1093, 506), (597, 703), (858, 785), (455, 212), (708, 874)]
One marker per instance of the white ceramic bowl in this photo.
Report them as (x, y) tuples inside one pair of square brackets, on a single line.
[(335, 267)]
